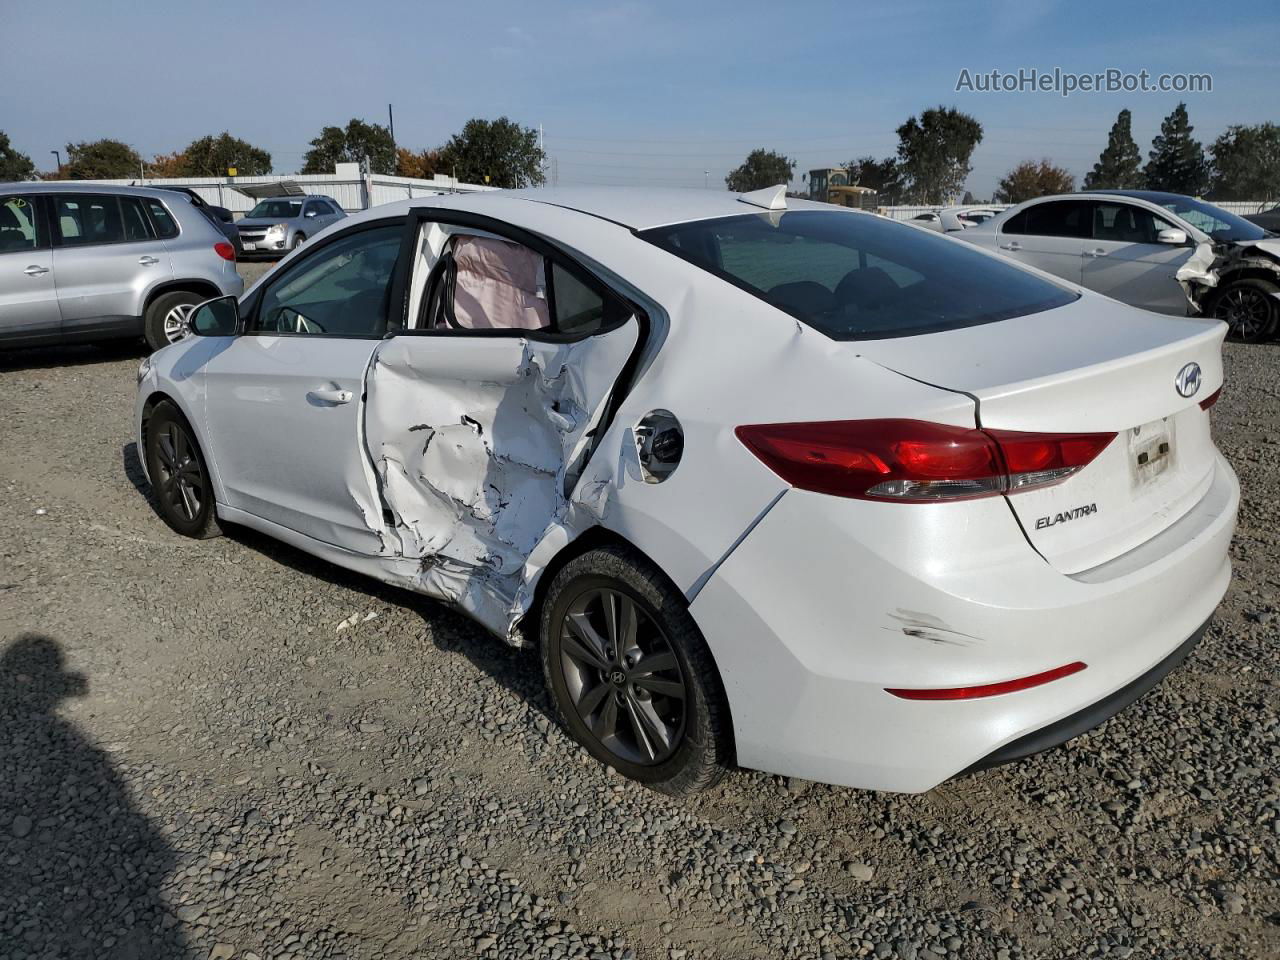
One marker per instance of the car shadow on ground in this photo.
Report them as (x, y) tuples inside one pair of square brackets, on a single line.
[(518, 669), (83, 869), (72, 355), (131, 462)]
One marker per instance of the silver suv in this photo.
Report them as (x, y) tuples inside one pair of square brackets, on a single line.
[(278, 224), (82, 262)]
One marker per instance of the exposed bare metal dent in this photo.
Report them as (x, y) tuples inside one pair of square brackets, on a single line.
[(924, 626)]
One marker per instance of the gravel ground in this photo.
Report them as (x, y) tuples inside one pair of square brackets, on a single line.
[(228, 749)]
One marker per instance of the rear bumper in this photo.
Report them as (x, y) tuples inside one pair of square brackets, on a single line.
[(1094, 715), (828, 602)]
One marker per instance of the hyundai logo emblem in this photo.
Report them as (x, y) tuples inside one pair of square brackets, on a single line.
[(1188, 380)]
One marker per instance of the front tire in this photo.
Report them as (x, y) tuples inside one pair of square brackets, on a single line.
[(1250, 309), (179, 476), (630, 674), (165, 320), (298, 240)]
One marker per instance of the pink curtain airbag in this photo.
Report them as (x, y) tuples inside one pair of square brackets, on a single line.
[(497, 286)]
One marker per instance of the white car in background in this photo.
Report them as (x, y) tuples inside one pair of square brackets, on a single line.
[(952, 219), (1159, 251), (768, 482)]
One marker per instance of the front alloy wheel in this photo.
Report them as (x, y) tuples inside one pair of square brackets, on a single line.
[(179, 478), (1250, 309)]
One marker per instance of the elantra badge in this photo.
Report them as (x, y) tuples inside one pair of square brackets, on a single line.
[(1188, 380)]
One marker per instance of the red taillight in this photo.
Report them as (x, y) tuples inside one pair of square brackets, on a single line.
[(986, 689), (1211, 399), (225, 250), (916, 461)]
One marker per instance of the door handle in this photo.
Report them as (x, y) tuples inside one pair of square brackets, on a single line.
[(35, 270), (325, 395), (148, 261), (1014, 246), (1097, 252)]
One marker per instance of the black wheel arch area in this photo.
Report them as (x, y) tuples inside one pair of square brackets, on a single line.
[(148, 407), (593, 539), (202, 288), (1271, 274)]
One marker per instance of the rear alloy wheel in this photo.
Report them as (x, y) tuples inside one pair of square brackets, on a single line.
[(1250, 309), (167, 315), (179, 478), (631, 675)]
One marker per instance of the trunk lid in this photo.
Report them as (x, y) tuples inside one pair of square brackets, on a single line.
[(1094, 365)]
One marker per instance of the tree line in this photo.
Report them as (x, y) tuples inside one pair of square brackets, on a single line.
[(498, 152), (932, 163)]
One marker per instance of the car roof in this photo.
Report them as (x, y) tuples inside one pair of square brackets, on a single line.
[(641, 208), (1151, 196), (84, 186)]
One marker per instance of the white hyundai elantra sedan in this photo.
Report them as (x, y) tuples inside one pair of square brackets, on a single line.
[(768, 482)]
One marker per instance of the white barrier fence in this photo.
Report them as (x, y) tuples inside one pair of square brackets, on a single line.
[(1238, 207), (353, 192)]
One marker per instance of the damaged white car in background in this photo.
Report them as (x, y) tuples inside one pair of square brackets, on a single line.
[(1159, 251), (768, 482)]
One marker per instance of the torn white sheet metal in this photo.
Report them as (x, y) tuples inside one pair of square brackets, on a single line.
[(1197, 274), (471, 445)]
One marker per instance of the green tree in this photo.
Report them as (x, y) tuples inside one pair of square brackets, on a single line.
[(211, 157), (1246, 163), (934, 153), (1119, 166), (762, 168), (498, 152), (102, 160), (1030, 179), (14, 164), (351, 145), (1177, 162), (882, 176)]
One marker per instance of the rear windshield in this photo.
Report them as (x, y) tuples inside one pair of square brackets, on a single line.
[(859, 277), (284, 209)]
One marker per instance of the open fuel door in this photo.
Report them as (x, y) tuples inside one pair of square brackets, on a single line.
[(480, 416)]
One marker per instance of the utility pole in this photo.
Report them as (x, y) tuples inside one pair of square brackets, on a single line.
[(391, 125), (58, 157)]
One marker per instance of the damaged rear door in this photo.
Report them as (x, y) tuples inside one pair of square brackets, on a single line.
[(481, 414)]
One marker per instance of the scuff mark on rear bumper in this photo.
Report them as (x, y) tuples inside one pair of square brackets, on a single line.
[(924, 626)]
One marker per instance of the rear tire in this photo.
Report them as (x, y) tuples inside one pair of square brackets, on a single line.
[(630, 674), (164, 322), (1250, 309), (179, 475)]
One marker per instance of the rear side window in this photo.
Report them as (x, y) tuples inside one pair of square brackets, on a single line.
[(859, 277), (85, 219), (578, 308), (166, 227), (1061, 218), (18, 224)]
